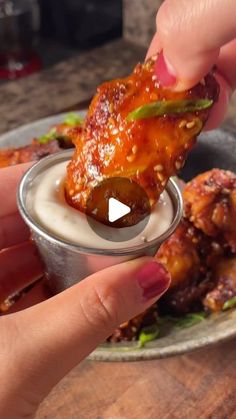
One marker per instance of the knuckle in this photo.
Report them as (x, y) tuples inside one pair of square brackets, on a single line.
[(100, 307)]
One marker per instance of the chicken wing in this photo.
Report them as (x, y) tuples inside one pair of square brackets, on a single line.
[(210, 204), (188, 255), (59, 137), (32, 152), (129, 330), (138, 130), (224, 276), (180, 254)]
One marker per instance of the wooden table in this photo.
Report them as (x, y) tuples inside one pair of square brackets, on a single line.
[(199, 385)]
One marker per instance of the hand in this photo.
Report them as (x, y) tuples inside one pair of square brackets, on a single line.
[(42, 343), (192, 36)]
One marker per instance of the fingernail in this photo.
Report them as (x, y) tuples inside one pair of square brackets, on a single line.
[(154, 279), (164, 71)]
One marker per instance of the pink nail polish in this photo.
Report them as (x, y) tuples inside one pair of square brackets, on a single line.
[(164, 72), (153, 279)]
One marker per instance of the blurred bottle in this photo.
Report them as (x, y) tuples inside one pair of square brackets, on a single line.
[(19, 25), (81, 23)]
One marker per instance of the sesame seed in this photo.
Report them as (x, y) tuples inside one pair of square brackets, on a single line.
[(134, 148), (203, 82), (152, 202), (158, 168), (130, 158), (183, 123), (115, 131), (215, 246), (190, 125), (71, 192), (160, 177)]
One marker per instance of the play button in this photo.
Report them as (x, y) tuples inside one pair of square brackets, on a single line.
[(116, 210), (122, 205)]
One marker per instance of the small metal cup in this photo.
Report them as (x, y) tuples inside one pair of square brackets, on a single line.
[(67, 263)]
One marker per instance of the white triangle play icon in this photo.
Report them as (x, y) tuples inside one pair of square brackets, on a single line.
[(117, 210)]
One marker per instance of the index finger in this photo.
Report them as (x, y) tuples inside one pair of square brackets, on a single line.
[(191, 34), (9, 180)]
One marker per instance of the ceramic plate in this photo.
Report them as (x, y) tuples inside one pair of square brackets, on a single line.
[(214, 149)]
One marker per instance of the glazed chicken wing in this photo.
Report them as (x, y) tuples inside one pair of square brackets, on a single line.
[(138, 130), (130, 330), (59, 137), (180, 254), (32, 152), (210, 204), (188, 255), (224, 275), (207, 233)]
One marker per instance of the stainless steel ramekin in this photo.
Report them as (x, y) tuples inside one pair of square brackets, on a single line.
[(67, 263)]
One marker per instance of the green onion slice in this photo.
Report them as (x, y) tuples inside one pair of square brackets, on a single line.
[(169, 107), (73, 119), (51, 135), (190, 319), (148, 334), (230, 303)]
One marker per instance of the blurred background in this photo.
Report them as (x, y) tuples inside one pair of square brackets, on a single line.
[(36, 34)]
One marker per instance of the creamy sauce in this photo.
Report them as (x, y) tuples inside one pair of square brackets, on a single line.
[(47, 205)]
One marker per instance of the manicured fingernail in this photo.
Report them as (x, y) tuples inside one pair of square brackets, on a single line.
[(164, 71), (153, 279)]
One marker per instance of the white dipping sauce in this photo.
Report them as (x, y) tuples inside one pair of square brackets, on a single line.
[(47, 205)]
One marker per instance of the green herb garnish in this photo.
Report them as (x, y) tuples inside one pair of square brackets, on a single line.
[(148, 334), (190, 319), (51, 135), (169, 107), (230, 303), (165, 324), (73, 119)]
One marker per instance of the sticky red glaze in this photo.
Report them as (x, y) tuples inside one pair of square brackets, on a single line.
[(110, 146), (210, 204)]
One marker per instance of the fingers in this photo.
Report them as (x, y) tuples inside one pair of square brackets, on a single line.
[(9, 181), (191, 33), (20, 266), (218, 111), (154, 47), (13, 231), (67, 327), (226, 63)]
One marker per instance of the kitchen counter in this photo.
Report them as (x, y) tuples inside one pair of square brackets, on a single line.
[(65, 84), (70, 82)]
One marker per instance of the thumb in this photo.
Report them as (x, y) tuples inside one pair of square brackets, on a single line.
[(61, 331), (191, 33)]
